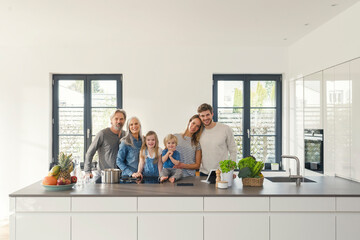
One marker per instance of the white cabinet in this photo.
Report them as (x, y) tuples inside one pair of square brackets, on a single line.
[(95, 226), (300, 226), (42, 226), (174, 226), (342, 120), (313, 101), (345, 227), (250, 226), (355, 118)]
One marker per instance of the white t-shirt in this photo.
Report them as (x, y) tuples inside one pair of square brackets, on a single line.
[(217, 144)]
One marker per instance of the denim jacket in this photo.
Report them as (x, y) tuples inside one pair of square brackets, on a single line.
[(128, 157)]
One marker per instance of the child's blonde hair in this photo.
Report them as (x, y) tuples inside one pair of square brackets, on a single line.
[(170, 137), (156, 148)]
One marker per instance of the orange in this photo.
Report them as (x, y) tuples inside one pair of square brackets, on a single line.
[(49, 180)]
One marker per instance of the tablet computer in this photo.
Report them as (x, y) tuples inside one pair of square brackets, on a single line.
[(212, 176)]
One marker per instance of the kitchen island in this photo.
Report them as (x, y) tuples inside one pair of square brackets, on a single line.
[(326, 209)]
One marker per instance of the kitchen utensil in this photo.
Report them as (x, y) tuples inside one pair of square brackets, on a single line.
[(112, 175)]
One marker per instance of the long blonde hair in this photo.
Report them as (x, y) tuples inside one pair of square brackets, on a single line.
[(156, 148), (195, 138)]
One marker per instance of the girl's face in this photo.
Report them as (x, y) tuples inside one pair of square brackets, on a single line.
[(150, 141), (171, 145), (134, 126), (194, 125)]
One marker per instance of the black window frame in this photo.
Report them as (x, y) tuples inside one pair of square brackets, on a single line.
[(87, 78), (247, 78)]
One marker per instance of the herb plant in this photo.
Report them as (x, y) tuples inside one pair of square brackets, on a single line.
[(227, 165), (250, 168)]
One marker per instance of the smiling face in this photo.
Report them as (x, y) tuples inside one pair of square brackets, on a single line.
[(194, 125), (134, 127), (206, 117), (118, 121), (171, 145), (150, 141)]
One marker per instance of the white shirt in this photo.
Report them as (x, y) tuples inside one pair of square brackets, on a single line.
[(217, 144)]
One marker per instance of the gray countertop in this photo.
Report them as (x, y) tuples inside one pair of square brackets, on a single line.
[(324, 187)]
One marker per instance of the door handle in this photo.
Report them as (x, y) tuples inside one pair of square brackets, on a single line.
[(248, 133), (88, 133)]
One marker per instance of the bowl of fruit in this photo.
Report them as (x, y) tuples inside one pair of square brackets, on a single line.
[(59, 177)]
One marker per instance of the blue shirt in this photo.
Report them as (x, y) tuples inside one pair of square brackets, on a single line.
[(150, 168), (128, 157), (169, 163)]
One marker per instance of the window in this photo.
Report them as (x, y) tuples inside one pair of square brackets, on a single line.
[(82, 105), (251, 106)]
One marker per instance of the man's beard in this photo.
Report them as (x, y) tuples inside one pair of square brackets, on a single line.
[(117, 127)]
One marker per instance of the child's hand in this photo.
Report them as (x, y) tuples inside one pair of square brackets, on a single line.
[(170, 153)]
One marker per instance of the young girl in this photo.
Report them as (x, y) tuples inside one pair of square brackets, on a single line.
[(150, 163)]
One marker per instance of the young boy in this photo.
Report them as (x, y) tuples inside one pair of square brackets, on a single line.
[(170, 157)]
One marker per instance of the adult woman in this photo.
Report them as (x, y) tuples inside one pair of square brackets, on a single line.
[(128, 156), (189, 147)]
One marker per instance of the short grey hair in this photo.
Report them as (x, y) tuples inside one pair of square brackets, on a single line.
[(118, 111)]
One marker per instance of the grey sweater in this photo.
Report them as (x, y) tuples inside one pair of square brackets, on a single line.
[(107, 144)]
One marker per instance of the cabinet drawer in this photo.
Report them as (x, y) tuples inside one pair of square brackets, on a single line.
[(302, 204), (103, 204), (348, 204), (42, 204), (170, 204), (236, 204)]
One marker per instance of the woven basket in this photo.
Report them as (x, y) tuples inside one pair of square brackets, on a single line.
[(253, 182)]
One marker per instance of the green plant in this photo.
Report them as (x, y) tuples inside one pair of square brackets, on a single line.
[(227, 165), (250, 168)]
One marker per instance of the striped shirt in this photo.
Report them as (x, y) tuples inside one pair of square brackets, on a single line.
[(187, 153)]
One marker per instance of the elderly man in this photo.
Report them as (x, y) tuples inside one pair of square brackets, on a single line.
[(107, 143), (217, 141)]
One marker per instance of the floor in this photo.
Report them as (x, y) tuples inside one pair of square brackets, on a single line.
[(4, 230)]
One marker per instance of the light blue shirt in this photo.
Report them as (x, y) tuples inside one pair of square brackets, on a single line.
[(168, 163), (128, 157)]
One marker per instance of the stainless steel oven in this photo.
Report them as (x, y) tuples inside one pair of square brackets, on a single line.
[(314, 149)]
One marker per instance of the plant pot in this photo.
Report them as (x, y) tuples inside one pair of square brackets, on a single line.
[(228, 177), (253, 182)]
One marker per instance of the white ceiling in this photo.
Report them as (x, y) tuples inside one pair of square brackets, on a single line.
[(166, 22)]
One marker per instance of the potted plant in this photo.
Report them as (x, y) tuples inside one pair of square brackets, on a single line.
[(250, 172), (227, 170)]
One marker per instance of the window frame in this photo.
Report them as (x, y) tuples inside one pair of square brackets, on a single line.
[(87, 78), (246, 79)]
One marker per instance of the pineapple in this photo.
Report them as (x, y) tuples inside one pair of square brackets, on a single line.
[(65, 162)]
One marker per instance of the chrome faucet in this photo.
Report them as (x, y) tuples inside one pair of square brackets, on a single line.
[(297, 176)]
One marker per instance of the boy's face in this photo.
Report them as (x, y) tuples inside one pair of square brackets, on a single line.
[(171, 145)]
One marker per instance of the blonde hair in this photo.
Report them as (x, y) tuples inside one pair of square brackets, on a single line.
[(156, 148), (195, 138), (170, 137)]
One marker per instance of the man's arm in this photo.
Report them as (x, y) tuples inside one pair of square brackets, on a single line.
[(231, 145), (96, 143)]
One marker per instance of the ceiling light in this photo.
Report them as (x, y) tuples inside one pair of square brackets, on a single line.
[(306, 24), (334, 5)]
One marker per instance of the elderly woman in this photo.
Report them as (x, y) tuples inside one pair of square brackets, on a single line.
[(189, 147), (128, 156)]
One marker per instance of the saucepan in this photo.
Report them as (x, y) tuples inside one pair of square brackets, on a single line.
[(110, 175)]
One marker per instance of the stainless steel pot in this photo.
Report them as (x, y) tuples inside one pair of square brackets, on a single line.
[(111, 175)]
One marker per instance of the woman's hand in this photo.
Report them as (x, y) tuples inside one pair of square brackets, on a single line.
[(180, 165)]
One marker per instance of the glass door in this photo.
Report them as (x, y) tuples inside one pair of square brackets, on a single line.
[(251, 106), (82, 105)]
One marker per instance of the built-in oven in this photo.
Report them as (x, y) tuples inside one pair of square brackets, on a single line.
[(314, 149)]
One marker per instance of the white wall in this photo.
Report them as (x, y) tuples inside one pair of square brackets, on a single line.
[(335, 42), (167, 70)]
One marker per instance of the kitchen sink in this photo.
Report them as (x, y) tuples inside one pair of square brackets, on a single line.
[(287, 179)]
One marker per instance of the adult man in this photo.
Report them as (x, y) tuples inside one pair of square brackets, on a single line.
[(107, 143), (217, 140)]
